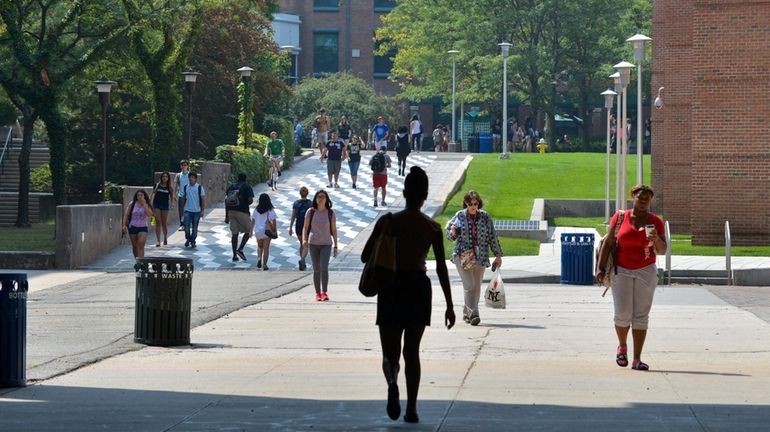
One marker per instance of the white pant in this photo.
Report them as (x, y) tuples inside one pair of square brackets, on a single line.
[(632, 293), (472, 287)]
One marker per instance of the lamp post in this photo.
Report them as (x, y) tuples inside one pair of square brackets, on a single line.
[(103, 87), (624, 68), (616, 82), (505, 47), (245, 118), (637, 41), (609, 95), (453, 53), (189, 85)]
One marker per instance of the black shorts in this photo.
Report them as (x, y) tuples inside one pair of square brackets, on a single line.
[(132, 230)]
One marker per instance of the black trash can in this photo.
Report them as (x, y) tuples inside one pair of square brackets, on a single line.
[(163, 301), (13, 329), (577, 258)]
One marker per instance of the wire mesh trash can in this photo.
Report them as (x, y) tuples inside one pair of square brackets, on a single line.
[(577, 258), (13, 329), (163, 301)]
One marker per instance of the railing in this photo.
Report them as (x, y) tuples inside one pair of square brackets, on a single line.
[(728, 264), (8, 139), (667, 272)]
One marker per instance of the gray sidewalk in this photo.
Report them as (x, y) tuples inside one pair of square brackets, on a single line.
[(545, 363)]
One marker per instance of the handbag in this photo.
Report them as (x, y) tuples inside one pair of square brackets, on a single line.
[(609, 268), (380, 268), (468, 257), (270, 230)]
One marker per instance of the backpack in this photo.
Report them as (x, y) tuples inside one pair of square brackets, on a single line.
[(200, 198), (233, 198), (330, 212), (378, 162)]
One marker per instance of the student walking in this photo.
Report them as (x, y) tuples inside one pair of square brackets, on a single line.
[(380, 132), (181, 179), (354, 157), (239, 197), (319, 237), (265, 223), (322, 123), (415, 133), (404, 309), (136, 219), (344, 130), (194, 205), (298, 211), (402, 149), (380, 163), (162, 203), (335, 153)]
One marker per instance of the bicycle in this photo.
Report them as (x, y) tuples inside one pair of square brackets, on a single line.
[(273, 178)]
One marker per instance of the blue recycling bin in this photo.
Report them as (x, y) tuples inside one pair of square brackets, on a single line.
[(13, 329), (577, 258), (485, 143)]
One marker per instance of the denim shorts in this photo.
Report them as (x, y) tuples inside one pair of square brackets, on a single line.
[(132, 230)]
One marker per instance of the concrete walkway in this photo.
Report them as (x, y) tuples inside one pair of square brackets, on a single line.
[(545, 363)]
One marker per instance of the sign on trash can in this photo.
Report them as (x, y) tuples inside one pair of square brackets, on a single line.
[(577, 258)]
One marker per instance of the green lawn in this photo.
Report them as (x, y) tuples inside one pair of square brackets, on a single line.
[(41, 237), (509, 188)]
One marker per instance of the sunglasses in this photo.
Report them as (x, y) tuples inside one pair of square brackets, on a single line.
[(473, 204)]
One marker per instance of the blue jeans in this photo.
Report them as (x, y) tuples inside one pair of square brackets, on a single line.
[(180, 207), (191, 225)]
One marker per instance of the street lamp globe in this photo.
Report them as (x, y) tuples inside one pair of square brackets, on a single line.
[(638, 41), (624, 68), (245, 71)]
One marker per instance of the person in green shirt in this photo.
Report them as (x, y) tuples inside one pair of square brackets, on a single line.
[(274, 150)]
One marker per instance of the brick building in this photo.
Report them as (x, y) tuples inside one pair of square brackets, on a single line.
[(328, 36), (711, 145)]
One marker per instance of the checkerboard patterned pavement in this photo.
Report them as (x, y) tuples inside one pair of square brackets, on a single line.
[(353, 207)]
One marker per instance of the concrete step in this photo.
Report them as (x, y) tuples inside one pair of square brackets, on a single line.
[(9, 202), (699, 277)]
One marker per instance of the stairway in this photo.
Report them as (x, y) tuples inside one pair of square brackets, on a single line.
[(9, 179)]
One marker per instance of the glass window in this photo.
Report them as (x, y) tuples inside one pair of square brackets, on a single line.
[(384, 5), (383, 63), (326, 52), (326, 5)]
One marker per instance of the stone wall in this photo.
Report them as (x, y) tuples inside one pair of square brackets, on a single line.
[(86, 232), (710, 147)]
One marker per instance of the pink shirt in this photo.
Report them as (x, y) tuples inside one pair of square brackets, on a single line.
[(139, 217)]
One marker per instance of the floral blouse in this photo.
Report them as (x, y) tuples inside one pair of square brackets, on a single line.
[(486, 236)]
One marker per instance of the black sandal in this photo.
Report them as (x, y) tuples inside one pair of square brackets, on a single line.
[(621, 356)]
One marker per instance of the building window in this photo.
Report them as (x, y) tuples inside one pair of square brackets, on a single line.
[(383, 63), (326, 52), (326, 5), (384, 5)]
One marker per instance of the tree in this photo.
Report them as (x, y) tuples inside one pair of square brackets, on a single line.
[(163, 36), (43, 45), (558, 47), (341, 94)]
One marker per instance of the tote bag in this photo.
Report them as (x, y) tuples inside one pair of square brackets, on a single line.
[(380, 269)]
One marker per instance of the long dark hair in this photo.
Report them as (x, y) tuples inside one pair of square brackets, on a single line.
[(264, 204), (328, 200), (160, 180)]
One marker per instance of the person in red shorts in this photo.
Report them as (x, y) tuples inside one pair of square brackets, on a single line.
[(380, 163)]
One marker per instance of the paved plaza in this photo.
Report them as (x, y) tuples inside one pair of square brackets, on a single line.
[(264, 356)]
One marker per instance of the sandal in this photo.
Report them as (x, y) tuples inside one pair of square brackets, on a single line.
[(621, 356), (638, 364)]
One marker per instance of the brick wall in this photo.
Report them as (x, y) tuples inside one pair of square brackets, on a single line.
[(710, 141)]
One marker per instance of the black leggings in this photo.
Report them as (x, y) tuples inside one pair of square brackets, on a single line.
[(402, 163)]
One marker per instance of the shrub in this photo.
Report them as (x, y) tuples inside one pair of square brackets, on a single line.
[(248, 160), (40, 179)]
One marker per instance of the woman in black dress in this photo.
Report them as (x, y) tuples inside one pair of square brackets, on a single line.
[(404, 310), (162, 203), (402, 149)]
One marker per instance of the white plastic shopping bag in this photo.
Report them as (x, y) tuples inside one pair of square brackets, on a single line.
[(494, 296)]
